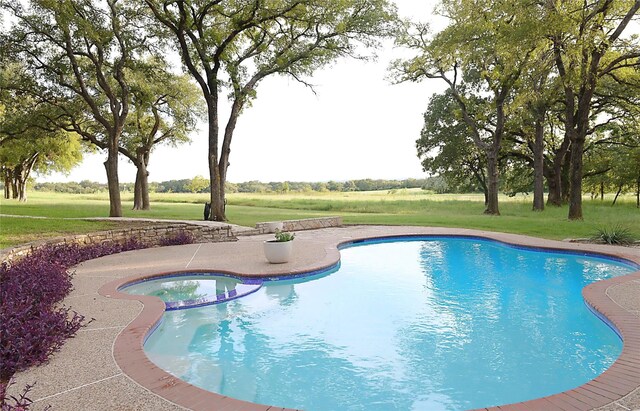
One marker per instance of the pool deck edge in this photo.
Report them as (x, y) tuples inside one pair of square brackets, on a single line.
[(315, 250)]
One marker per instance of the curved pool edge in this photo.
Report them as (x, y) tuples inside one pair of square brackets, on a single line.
[(622, 378), (200, 301)]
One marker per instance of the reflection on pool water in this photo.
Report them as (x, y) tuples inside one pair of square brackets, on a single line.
[(186, 291), (426, 324)]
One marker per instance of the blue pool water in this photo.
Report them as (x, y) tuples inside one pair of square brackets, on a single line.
[(442, 323)]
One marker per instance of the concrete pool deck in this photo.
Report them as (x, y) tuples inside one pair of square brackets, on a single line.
[(104, 366)]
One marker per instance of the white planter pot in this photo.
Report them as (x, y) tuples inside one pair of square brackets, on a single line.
[(273, 226), (278, 252)]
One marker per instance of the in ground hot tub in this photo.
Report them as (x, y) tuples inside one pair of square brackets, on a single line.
[(186, 290)]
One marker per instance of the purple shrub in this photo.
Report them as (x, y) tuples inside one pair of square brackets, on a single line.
[(33, 325), (68, 255), (133, 244), (34, 280), (179, 238), (20, 403), (31, 331), (65, 255)]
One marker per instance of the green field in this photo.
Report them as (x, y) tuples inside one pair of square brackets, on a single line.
[(396, 207)]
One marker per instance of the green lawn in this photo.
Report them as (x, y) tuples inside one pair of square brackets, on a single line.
[(406, 207)]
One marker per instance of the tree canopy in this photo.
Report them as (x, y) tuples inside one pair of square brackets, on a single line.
[(28, 142), (165, 110), (78, 51), (95, 63), (481, 56), (233, 46), (522, 74)]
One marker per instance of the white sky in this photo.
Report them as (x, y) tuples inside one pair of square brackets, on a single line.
[(358, 125)]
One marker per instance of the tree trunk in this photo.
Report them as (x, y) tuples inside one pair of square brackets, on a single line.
[(113, 183), (555, 192), (555, 174), (617, 194), (217, 186), (578, 133), (146, 203), (141, 191), (602, 191), (21, 174), (575, 182), (564, 176), (22, 189), (137, 191), (492, 177), (638, 193), (6, 176), (223, 165), (538, 167), (14, 187), (217, 192), (485, 189), (218, 169), (17, 183)]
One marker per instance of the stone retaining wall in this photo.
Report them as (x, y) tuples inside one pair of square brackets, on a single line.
[(151, 235), (300, 225)]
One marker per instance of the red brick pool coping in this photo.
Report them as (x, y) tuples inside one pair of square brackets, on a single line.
[(622, 378)]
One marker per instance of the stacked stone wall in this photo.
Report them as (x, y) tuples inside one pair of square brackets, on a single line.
[(151, 235), (300, 225)]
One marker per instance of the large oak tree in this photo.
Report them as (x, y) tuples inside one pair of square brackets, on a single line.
[(481, 56), (79, 52), (446, 147), (588, 45), (229, 47), (165, 108)]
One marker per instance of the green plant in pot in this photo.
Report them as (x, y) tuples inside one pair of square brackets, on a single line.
[(283, 236), (279, 250)]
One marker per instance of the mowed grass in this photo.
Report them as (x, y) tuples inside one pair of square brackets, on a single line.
[(396, 207)]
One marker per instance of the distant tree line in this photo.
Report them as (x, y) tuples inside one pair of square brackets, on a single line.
[(82, 187), (201, 185)]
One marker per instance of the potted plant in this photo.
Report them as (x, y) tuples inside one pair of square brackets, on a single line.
[(279, 250)]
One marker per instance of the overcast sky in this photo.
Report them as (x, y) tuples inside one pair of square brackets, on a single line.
[(358, 125)]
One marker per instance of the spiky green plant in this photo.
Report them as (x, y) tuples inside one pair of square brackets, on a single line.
[(615, 235)]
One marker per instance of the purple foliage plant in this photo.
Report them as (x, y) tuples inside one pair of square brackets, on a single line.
[(179, 238), (33, 323), (19, 403)]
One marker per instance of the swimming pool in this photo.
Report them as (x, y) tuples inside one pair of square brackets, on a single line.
[(436, 323)]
